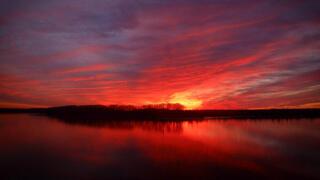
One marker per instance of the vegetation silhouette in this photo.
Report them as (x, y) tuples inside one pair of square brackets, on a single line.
[(87, 114)]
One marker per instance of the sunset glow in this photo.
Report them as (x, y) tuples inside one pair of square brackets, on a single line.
[(204, 54), (187, 102)]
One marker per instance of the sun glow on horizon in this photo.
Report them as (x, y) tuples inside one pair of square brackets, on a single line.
[(184, 99)]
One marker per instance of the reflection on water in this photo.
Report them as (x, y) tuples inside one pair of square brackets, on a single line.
[(36, 146)]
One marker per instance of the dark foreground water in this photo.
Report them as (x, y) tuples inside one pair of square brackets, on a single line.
[(41, 147)]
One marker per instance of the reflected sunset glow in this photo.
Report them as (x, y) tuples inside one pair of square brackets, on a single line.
[(144, 150)]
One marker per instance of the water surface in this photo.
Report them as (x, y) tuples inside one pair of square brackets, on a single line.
[(42, 147)]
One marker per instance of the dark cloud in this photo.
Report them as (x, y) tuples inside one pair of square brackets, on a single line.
[(209, 51)]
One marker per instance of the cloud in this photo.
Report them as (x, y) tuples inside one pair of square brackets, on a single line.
[(224, 54)]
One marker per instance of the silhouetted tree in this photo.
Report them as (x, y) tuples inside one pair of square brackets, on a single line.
[(164, 106)]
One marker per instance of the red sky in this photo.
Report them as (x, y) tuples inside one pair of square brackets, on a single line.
[(200, 53)]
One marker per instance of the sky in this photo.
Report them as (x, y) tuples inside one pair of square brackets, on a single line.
[(204, 54)]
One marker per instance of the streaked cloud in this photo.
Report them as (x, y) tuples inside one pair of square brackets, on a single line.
[(203, 53)]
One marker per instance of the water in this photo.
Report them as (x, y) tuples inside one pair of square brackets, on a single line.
[(38, 146)]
